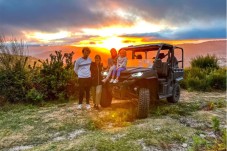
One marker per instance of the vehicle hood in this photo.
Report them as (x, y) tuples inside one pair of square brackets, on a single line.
[(131, 70), (148, 73)]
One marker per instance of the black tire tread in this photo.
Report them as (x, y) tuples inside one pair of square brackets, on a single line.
[(143, 103)]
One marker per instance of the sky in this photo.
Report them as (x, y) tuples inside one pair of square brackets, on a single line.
[(112, 23)]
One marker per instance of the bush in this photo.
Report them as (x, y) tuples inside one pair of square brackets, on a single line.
[(205, 62), (217, 79), (13, 77), (56, 80), (205, 76), (34, 96), (20, 82)]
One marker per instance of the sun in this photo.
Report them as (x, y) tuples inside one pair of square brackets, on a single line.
[(112, 42)]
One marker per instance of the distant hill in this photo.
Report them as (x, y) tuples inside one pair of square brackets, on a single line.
[(217, 48), (191, 50)]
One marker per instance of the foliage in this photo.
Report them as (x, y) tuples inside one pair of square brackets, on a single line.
[(215, 124), (56, 80), (34, 96), (198, 143), (204, 62), (21, 82), (205, 76), (13, 77)]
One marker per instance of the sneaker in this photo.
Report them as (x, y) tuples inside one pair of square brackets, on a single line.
[(96, 107), (88, 107), (115, 81), (79, 107), (112, 80), (104, 80)]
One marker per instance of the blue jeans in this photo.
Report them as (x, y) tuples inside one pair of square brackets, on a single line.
[(119, 70)]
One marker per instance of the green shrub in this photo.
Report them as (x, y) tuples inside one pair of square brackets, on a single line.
[(204, 75), (56, 80), (198, 143), (208, 61), (13, 85), (215, 124), (34, 96), (217, 79), (13, 74), (53, 80)]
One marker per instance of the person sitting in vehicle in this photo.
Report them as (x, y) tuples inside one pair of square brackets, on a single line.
[(161, 56), (139, 56), (112, 62), (121, 66)]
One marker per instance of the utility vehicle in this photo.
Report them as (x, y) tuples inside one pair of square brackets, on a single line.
[(153, 72)]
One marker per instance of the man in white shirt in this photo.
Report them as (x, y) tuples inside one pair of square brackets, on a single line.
[(82, 69)]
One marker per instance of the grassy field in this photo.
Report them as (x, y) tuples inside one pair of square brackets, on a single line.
[(197, 122)]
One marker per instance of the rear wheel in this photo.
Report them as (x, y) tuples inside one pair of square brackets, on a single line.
[(106, 98), (176, 94), (143, 103)]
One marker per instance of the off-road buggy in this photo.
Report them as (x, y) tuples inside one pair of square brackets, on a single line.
[(153, 72)]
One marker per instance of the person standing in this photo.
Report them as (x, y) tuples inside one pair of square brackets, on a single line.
[(82, 69), (96, 77)]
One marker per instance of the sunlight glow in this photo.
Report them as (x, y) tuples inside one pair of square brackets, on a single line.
[(46, 37), (112, 42)]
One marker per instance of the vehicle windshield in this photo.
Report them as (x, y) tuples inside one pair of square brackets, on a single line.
[(141, 59)]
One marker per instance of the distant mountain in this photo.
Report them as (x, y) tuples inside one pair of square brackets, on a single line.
[(191, 50)]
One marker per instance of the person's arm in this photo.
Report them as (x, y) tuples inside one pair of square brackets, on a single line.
[(118, 64), (76, 66), (124, 63)]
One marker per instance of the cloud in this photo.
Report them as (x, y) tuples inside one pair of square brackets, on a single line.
[(52, 15), (175, 12), (192, 18)]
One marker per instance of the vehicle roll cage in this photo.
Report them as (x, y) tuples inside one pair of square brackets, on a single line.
[(155, 47)]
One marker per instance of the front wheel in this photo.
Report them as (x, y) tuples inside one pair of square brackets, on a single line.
[(175, 94), (143, 103)]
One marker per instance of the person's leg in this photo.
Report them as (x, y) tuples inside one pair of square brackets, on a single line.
[(87, 89), (81, 90), (114, 72), (93, 92), (119, 71), (110, 71), (98, 94), (118, 74)]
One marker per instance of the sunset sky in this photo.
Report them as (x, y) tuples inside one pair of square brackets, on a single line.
[(112, 23)]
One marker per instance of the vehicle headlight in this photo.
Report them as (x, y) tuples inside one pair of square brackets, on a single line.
[(105, 73), (138, 74)]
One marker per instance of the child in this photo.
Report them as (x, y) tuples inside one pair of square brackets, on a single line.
[(112, 62), (121, 66)]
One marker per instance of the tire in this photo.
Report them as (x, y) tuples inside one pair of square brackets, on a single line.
[(175, 95), (106, 98), (143, 103)]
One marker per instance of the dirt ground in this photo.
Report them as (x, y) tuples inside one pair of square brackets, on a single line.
[(197, 122)]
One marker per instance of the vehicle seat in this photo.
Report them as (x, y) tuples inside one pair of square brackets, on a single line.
[(161, 67)]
